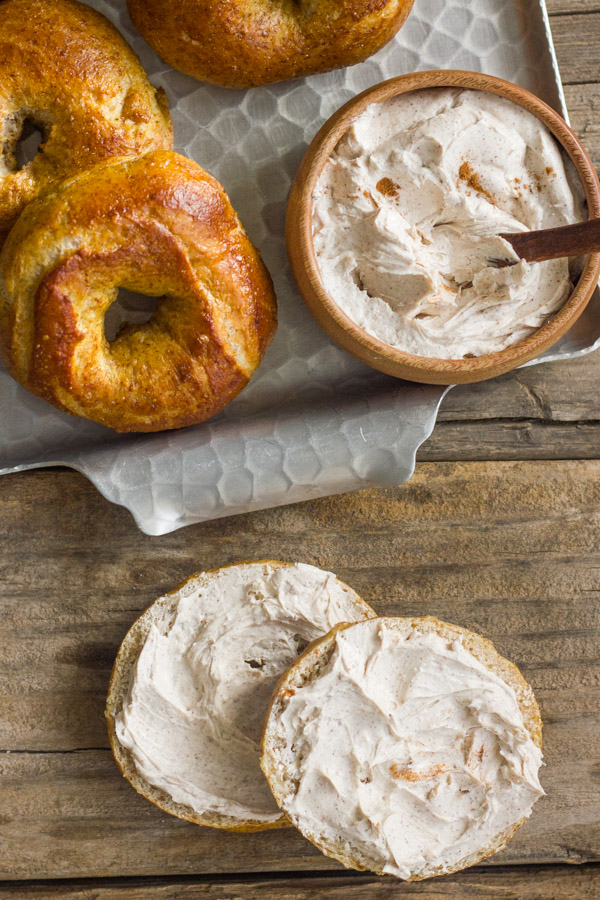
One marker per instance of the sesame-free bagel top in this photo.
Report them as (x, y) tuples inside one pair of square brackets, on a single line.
[(241, 43), (406, 746), (192, 681), (67, 71), (159, 225)]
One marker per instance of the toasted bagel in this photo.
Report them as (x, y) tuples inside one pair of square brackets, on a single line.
[(157, 224), (241, 43), (67, 71)]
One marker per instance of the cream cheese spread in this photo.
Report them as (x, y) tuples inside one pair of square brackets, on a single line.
[(407, 212), (205, 674), (409, 750)]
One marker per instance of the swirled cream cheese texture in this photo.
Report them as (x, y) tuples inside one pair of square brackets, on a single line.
[(204, 678), (407, 211), (408, 749)]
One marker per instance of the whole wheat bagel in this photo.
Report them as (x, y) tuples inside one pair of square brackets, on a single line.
[(347, 810), (244, 623), (67, 71), (241, 43), (159, 225)]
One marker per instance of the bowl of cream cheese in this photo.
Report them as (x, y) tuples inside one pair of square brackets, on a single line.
[(397, 211)]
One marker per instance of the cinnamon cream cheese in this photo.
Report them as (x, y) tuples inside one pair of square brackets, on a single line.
[(406, 217), (204, 677), (408, 751)]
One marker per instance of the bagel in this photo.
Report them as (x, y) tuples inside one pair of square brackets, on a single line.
[(242, 43), (161, 226), (67, 71), (404, 746), (193, 678)]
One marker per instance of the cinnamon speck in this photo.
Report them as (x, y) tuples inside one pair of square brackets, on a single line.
[(387, 187), (472, 179)]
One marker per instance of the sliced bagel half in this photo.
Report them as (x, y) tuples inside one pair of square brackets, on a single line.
[(404, 746), (192, 681)]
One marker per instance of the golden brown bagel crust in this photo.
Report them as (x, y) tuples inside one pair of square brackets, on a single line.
[(65, 68), (241, 43), (156, 224), (309, 666)]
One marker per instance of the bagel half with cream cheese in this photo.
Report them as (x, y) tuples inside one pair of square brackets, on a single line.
[(404, 746), (192, 681), (242, 43)]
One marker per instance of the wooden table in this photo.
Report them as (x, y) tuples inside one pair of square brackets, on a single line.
[(499, 531)]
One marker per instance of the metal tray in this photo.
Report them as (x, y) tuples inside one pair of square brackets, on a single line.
[(313, 421)]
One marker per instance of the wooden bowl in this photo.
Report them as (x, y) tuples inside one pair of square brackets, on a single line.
[(354, 339)]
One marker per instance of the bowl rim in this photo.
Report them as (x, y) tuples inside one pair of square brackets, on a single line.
[(355, 339)]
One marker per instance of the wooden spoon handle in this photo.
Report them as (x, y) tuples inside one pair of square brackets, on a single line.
[(552, 243)]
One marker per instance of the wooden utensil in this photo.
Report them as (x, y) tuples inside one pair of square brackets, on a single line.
[(553, 243)]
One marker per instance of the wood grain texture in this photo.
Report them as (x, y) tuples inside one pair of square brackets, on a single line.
[(506, 549), (583, 102), (511, 439), (577, 41), (554, 243), (565, 7), (525, 883), (553, 392)]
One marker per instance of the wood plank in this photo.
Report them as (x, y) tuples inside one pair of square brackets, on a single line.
[(511, 439), (508, 549), (524, 883), (549, 411), (565, 7), (577, 41), (583, 103), (563, 391), (72, 815)]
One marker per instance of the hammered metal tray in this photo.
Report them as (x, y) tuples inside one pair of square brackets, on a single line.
[(313, 421)]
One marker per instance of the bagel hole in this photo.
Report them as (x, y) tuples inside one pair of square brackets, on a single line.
[(129, 308), (28, 143)]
